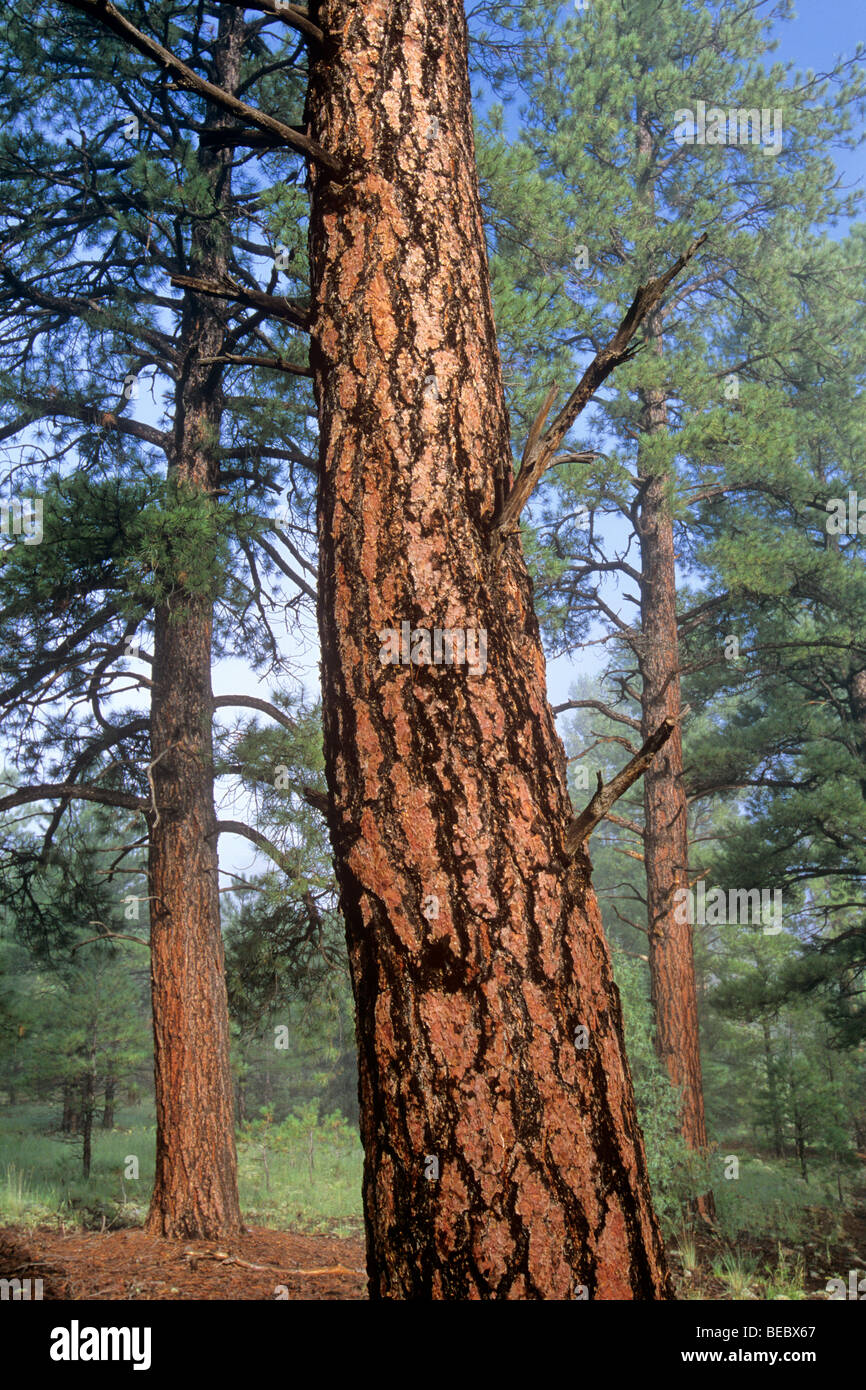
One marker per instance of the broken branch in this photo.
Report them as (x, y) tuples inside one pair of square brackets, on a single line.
[(580, 829), (541, 447)]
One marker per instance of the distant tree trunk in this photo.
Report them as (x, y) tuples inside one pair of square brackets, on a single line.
[(86, 1124), (69, 1120), (666, 851), (502, 1153), (241, 1099), (856, 684), (666, 844), (88, 1103), (800, 1143), (108, 1106), (15, 1069), (773, 1090), (195, 1187)]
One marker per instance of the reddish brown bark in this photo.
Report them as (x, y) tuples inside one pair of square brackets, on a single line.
[(666, 845), (475, 940), (195, 1188)]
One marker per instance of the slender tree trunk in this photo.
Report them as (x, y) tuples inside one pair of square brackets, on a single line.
[(86, 1125), (69, 1120), (772, 1090), (108, 1107), (195, 1188), (857, 704), (671, 951), (241, 1099), (88, 1104), (502, 1153), (801, 1147)]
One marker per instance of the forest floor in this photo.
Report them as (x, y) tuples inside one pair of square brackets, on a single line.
[(709, 1266), (268, 1264), (129, 1264)]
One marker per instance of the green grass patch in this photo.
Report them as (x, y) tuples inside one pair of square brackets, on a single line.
[(41, 1171), (301, 1174)]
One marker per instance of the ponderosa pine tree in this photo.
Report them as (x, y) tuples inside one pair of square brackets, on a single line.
[(503, 1157), (150, 529), (611, 133)]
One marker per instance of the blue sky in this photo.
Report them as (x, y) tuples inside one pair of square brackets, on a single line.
[(823, 31)]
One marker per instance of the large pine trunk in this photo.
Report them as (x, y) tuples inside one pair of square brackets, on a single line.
[(502, 1153), (666, 842), (195, 1188)]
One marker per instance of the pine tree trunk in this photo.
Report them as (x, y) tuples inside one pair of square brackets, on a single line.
[(666, 848), (108, 1107), (88, 1104), (241, 1100), (773, 1091), (86, 1125), (195, 1188), (801, 1149), (502, 1156), (666, 844), (856, 687), (69, 1120)]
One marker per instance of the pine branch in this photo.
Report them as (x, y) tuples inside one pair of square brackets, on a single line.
[(541, 445), (320, 801), (54, 407), (295, 16), (237, 827), (53, 661), (104, 13), (49, 791), (631, 825), (253, 702), (96, 303), (580, 829), (277, 364), (602, 708), (286, 568), (111, 936), (235, 137), (277, 305)]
